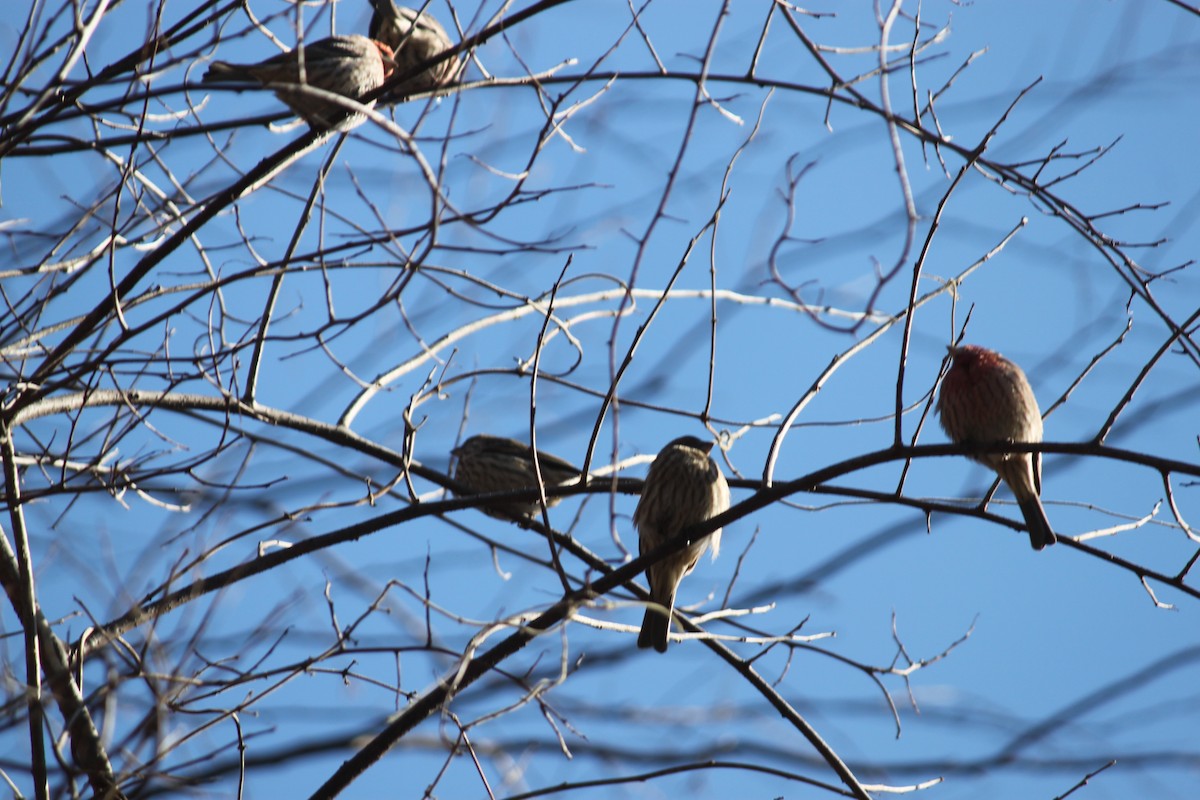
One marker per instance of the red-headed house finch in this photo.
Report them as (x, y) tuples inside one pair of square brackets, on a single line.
[(986, 400), (350, 66), (684, 487), (495, 464), (415, 37)]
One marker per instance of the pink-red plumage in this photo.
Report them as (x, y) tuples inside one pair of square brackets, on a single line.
[(986, 400), (684, 487), (351, 66)]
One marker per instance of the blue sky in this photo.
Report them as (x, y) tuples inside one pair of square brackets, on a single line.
[(1047, 630)]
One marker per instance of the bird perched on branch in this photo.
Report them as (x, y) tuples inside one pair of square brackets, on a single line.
[(495, 464), (415, 37), (350, 66), (683, 488), (986, 400)]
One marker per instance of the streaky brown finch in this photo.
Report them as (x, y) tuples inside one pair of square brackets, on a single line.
[(415, 37), (684, 487), (496, 464), (350, 66), (986, 400)]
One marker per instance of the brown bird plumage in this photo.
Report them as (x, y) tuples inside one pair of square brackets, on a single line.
[(415, 37), (350, 66), (986, 400), (684, 487), (495, 464)]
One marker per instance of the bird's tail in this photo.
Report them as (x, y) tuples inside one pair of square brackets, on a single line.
[(1040, 532), (224, 72), (656, 625), (1018, 473)]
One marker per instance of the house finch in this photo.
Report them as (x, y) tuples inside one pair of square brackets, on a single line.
[(347, 65), (684, 487), (986, 400), (415, 37), (495, 464)]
